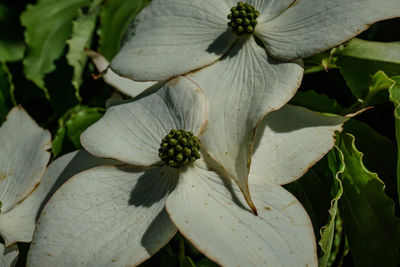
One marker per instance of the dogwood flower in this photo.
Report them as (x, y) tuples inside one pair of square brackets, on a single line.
[(23, 161), (121, 215), (25, 182), (8, 258), (244, 57)]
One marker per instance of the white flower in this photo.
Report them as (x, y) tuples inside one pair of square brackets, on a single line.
[(9, 257), (121, 215), (23, 161), (25, 183), (242, 81)]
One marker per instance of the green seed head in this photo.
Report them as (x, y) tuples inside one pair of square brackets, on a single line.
[(179, 148), (243, 18)]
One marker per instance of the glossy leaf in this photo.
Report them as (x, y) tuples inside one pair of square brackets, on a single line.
[(373, 146), (72, 124), (360, 60), (114, 20), (377, 90), (48, 25), (80, 121), (394, 92), (327, 232), (6, 87), (372, 230), (82, 33)]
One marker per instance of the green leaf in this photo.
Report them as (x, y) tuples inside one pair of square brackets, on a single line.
[(320, 62), (360, 60), (80, 121), (327, 232), (204, 262), (115, 18), (372, 230), (12, 45), (72, 124), (82, 34), (317, 102), (187, 262), (6, 92), (48, 25), (373, 146), (394, 96), (378, 89)]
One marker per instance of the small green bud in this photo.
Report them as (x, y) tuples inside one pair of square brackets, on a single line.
[(179, 148), (172, 163), (183, 141), (179, 157), (241, 17), (173, 142), (187, 151)]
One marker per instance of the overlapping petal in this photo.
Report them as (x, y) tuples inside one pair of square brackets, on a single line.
[(105, 216), (289, 141), (312, 26), (19, 223), (124, 85), (211, 213), (240, 90), (8, 258), (173, 37), (132, 132), (23, 157)]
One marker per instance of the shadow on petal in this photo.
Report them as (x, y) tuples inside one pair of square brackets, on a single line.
[(80, 162), (157, 183), (218, 47)]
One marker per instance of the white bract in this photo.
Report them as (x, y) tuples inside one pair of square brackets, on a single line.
[(23, 161), (8, 257), (243, 76), (121, 215), (25, 182)]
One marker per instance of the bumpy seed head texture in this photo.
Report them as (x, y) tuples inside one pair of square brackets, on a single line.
[(179, 148), (243, 18)]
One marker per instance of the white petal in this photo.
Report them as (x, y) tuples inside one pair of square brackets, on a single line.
[(9, 258), (105, 216), (289, 141), (173, 37), (19, 223), (211, 214), (124, 85), (23, 157), (240, 90), (312, 26), (132, 132)]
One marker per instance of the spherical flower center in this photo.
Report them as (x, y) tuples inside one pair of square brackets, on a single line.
[(179, 148), (243, 18)]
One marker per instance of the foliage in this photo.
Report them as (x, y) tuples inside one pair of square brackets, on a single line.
[(349, 194)]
